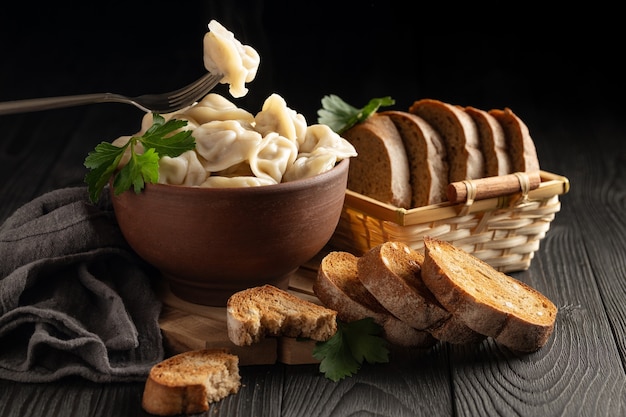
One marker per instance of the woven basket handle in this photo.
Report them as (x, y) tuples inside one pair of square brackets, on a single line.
[(479, 189)]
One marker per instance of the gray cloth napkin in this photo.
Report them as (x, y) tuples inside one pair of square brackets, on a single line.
[(75, 300)]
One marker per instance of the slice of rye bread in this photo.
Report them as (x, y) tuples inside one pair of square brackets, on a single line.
[(490, 302), (391, 272), (492, 142), (188, 382), (255, 313), (520, 144), (381, 168), (428, 161), (460, 136), (338, 287)]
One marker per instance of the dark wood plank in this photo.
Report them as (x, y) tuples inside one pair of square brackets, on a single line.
[(579, 371), (412, 384)]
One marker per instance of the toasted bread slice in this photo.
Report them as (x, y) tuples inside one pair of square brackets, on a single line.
[(519, 142), (486, 300), (460, 136), (188, 382), (492, 142), (338, 287), (257, 312), (381, 168), (391, 271), (428, 161)]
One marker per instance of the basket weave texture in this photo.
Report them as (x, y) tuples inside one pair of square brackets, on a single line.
[(504, 231)]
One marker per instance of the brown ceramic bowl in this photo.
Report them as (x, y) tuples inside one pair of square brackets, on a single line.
[(211, 242)]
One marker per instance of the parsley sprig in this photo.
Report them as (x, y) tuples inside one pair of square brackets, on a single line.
[(341, 116), (355, 342), (142, 168)]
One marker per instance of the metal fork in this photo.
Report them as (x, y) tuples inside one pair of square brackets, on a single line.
[(155, 103)]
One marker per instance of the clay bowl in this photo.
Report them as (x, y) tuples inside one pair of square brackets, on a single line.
[(212, 242)]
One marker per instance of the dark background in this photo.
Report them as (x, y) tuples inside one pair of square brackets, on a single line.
[(547, 68)]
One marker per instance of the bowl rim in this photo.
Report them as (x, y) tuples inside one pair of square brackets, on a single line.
[(337, 170)]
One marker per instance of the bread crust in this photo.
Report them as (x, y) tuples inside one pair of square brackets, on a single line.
[(391, 272), (259, 312), (381, 168), (188, 382), (519, 142), (338, 287), (428, 159), (486, 300), (459, 134), (492, 142)]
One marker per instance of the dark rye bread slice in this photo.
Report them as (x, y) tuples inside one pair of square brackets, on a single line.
[(490, 302), (428, 161), (459, 134), (520, 144), (391, 272), (492, 142), (338, 287), (381, 168)]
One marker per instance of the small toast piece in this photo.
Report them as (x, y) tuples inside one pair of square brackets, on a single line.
[(428, 161), (459, 134), (391, 272), (255, 313), (492, 142), (519, 142), (381, 168), (486, 300), (188, 382), (337, 286)]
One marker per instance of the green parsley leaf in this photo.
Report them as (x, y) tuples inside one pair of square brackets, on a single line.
[(141, 168), (341, 116), (175, 144), (355, 342), (159, 140)]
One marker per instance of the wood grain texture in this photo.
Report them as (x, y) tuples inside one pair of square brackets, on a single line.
[(581, 265)]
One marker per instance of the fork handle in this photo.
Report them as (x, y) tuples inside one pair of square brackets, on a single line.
[(37, 104)]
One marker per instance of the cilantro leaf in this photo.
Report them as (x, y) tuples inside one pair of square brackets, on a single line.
[(355, 342), (341, 116), (158, 140)]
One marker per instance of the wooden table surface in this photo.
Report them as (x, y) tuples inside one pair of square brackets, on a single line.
[(581, 266)]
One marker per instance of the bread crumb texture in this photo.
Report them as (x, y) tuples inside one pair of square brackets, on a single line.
[(488, 301), (188, 382), (258, 312)]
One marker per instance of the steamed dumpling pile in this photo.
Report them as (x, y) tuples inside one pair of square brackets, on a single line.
[(235, 148)]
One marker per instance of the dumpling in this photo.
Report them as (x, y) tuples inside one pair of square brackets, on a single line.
[(184, 169), (309, 165), (222, 144), (275, 116), (148, 120), (224, 54), (236, 182), (273, 156), (238, 170), (216, 107), (321, 136)]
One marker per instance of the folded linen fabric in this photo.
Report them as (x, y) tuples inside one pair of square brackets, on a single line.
[(74, 298)]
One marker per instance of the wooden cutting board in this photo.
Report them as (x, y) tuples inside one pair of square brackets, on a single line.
[(188, 326)]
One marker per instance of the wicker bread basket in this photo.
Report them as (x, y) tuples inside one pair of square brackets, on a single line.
[(503, 231)]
